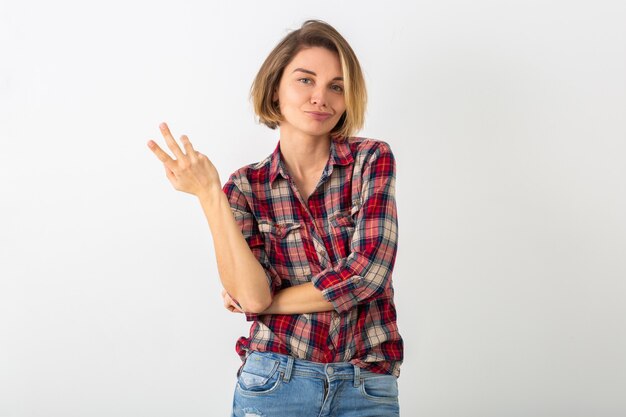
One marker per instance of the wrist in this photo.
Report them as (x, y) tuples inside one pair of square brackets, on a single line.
[(210, 194)]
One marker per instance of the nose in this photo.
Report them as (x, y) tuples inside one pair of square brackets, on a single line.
[(318, 97)]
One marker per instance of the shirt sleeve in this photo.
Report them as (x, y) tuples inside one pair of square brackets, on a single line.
[(365, 273), (250, 230)]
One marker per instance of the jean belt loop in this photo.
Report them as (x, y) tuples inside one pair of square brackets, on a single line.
[(357, 376), (287, 375)]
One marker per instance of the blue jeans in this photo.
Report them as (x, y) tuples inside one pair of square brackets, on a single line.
[(275, 385)]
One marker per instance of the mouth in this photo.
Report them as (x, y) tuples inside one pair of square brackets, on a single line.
[(318, 115)]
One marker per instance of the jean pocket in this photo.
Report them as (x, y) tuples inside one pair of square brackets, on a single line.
[(259, 375), (380, 388)]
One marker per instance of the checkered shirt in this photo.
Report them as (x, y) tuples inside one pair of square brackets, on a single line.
[(343, 240)]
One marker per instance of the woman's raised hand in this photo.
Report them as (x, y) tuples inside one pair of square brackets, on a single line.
[(191, 172)]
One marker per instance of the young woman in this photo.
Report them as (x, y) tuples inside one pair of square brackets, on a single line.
[(306, 239)]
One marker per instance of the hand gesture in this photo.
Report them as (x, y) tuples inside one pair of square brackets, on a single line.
[(192, 172)]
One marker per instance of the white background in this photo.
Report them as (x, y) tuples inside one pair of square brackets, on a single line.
[(508, 124)]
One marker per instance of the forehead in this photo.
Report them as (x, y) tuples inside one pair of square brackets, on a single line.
[(317, 59)]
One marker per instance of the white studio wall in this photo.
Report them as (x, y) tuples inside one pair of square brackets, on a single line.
[(507, 123)]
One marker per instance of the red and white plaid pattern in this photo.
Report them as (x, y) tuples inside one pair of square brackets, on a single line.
[(344, 240)]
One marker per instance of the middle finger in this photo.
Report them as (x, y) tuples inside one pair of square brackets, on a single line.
[(171, 143)]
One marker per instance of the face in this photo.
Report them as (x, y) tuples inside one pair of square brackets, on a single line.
[(311, 93)]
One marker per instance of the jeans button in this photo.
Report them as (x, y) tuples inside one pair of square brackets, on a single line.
[(330, 370)]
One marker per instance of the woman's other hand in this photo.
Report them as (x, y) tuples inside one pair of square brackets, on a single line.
[(191, 172), (230, 304)]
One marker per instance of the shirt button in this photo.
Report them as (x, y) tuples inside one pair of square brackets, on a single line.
[(330, 370)]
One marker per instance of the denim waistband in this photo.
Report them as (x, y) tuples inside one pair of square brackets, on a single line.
[(333, 370)]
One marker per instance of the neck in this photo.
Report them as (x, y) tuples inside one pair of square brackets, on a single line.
[(304, 154)]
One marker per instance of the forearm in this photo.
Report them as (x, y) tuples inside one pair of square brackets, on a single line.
[(299, 299), (240, 272)]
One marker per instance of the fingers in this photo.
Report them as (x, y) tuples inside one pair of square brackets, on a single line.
[(229, 304), (169, 174), (161, 154), (171, 143), (191, 152)]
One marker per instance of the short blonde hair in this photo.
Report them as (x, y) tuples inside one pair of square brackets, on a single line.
[(311, 33)]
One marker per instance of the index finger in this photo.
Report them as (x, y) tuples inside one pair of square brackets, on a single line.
[(169, 139), (161, 154)]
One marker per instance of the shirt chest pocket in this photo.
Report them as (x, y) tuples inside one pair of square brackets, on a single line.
[(285, 248), (342, 230)]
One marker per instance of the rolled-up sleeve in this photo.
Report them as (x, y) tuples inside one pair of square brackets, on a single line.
[(365, 273), (249, 228)]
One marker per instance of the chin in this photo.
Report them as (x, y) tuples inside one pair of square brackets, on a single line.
[(318, 133)]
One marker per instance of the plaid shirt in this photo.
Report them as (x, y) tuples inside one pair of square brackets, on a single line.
[(343, 239)]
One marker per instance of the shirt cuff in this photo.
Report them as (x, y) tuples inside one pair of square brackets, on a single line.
[(251, 316), (340, 288)]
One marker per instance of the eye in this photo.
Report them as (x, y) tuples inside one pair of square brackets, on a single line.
[(337, 88), (305, 80)]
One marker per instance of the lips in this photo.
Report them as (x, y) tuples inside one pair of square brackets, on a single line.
[(318, 115)]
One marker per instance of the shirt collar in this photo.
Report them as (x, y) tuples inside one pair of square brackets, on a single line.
[(340, 154)]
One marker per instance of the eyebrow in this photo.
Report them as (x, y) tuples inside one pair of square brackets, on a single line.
[(312, 73)]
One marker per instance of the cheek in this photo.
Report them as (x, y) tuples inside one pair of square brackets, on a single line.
[(338, 100), (290, 92), (340, 105), (291, 95)]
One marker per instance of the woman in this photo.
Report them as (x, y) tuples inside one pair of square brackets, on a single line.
[(306, 239)]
